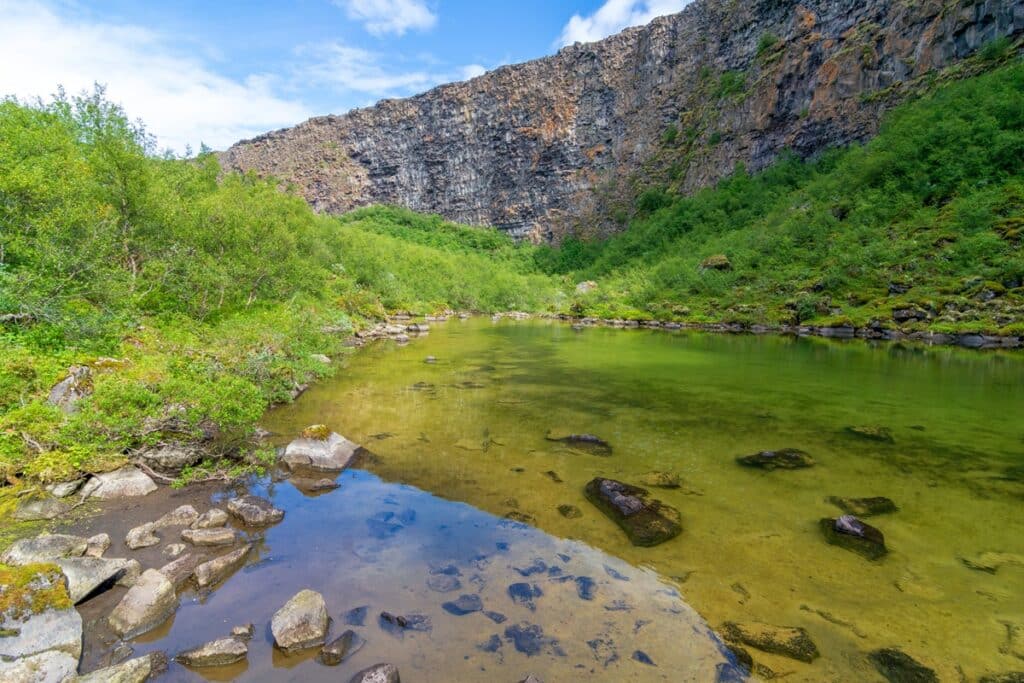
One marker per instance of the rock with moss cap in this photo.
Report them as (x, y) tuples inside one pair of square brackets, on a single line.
[(69, 391), (851, 533), (320, 449), (36, 613), (787, 641), (716, 262), (646, 522), (44, 548)]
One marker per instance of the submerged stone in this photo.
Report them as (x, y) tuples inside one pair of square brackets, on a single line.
[(991, 561), (569, 511), (530, 640), (525, 594), (356, 616), (849, 532), (783, 459), (898, 667), (378, 673), (663, 480), (864, 507), (587, 442), (220, 652), (646, 523), (872, 433), (463, 605), (341, 648), (444, 583), (396, 624), (586, 587), (788, 641), (643, 658)]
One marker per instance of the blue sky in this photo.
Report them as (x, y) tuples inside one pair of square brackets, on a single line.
[(216, 72)]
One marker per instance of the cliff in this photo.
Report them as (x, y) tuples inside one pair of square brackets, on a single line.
[(559, 144)]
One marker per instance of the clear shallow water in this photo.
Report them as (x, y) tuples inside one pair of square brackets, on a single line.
[(471, 428), (391, 547)]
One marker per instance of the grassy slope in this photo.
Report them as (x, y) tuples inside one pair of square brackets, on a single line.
[(934, 206)]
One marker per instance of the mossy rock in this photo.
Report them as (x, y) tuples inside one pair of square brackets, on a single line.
[(317, 432), (871, 433), (898, 667), (787, 641), (716, 262), (782, 459), (661, 480), (646, 522), (31, 589), (849, 532)]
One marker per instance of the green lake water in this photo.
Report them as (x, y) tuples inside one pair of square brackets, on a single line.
[(471, 428)]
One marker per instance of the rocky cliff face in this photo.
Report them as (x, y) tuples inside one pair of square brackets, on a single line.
[(557, 144)]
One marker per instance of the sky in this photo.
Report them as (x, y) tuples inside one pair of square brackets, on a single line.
[(196, 71)]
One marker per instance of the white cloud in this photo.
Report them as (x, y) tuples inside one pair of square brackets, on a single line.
[(472, 71), (613, 16), (381, 17), (180, 99)]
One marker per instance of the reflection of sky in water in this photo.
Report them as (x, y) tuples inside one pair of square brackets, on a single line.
[(486, 598)]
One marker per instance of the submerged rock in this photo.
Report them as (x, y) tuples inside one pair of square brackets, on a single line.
[(127, 482), (341, 648), (301, 623), (898, 667), (255, 511), (219, 568), (145, 606), (783, 459), (525, 593), (991, 561), (849, 532), (378, 673), (530, 640), (864, 507), (220, 652), (788, 641), (328, 453), (663, 480), (646, 523), (588, 442), (1008, 677), (569, 511), (463, 605), (397, 623), (872, 433)]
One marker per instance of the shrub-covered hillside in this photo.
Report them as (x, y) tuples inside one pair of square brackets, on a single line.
[(928, 216)]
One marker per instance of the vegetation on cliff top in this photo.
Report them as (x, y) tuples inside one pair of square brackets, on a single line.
[(928, 217)]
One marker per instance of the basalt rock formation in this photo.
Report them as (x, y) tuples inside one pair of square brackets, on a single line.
[(557, 144)]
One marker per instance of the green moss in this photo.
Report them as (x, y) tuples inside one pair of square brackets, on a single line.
[(318, 432), (32, 589)]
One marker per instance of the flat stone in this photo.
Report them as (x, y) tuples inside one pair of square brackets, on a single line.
[(864, 507), (43, 508), (180, 570), (594, 445), (211, 519), (849, 532), (301, 623), (96, 545), (378, 673), (138, 670), (183, 515), (254, 511), (145, 606), (463, 605), (219, 568), (898, 667), (783, 459), (89, 575), (220, 652), (341, 648), (126, 482), (44, 548), (788, 641), (142, 536), (209, 537), (332, 454), (45, 667), (57, 630), (646, 522)]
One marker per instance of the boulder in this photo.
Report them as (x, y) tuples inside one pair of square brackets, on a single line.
[(211, 519), (849, 532), (898, 667), (40, 509), (208, 537), (331, 453), (45, 667), (646, 522), (301, 623), (183, 515), (788, 641), (784, 459), (66, 393), (341, 648), (594, 445), (172, 457), (378, 673), (65, 488), (220, 652), (254, 511), (87, 576), (138, 670), (219, 568), (126, 482), (142, 536), (585, 287), (180, 570), (96, 545), (864, 507), (31, 629), (44, 548), (145, 606)]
